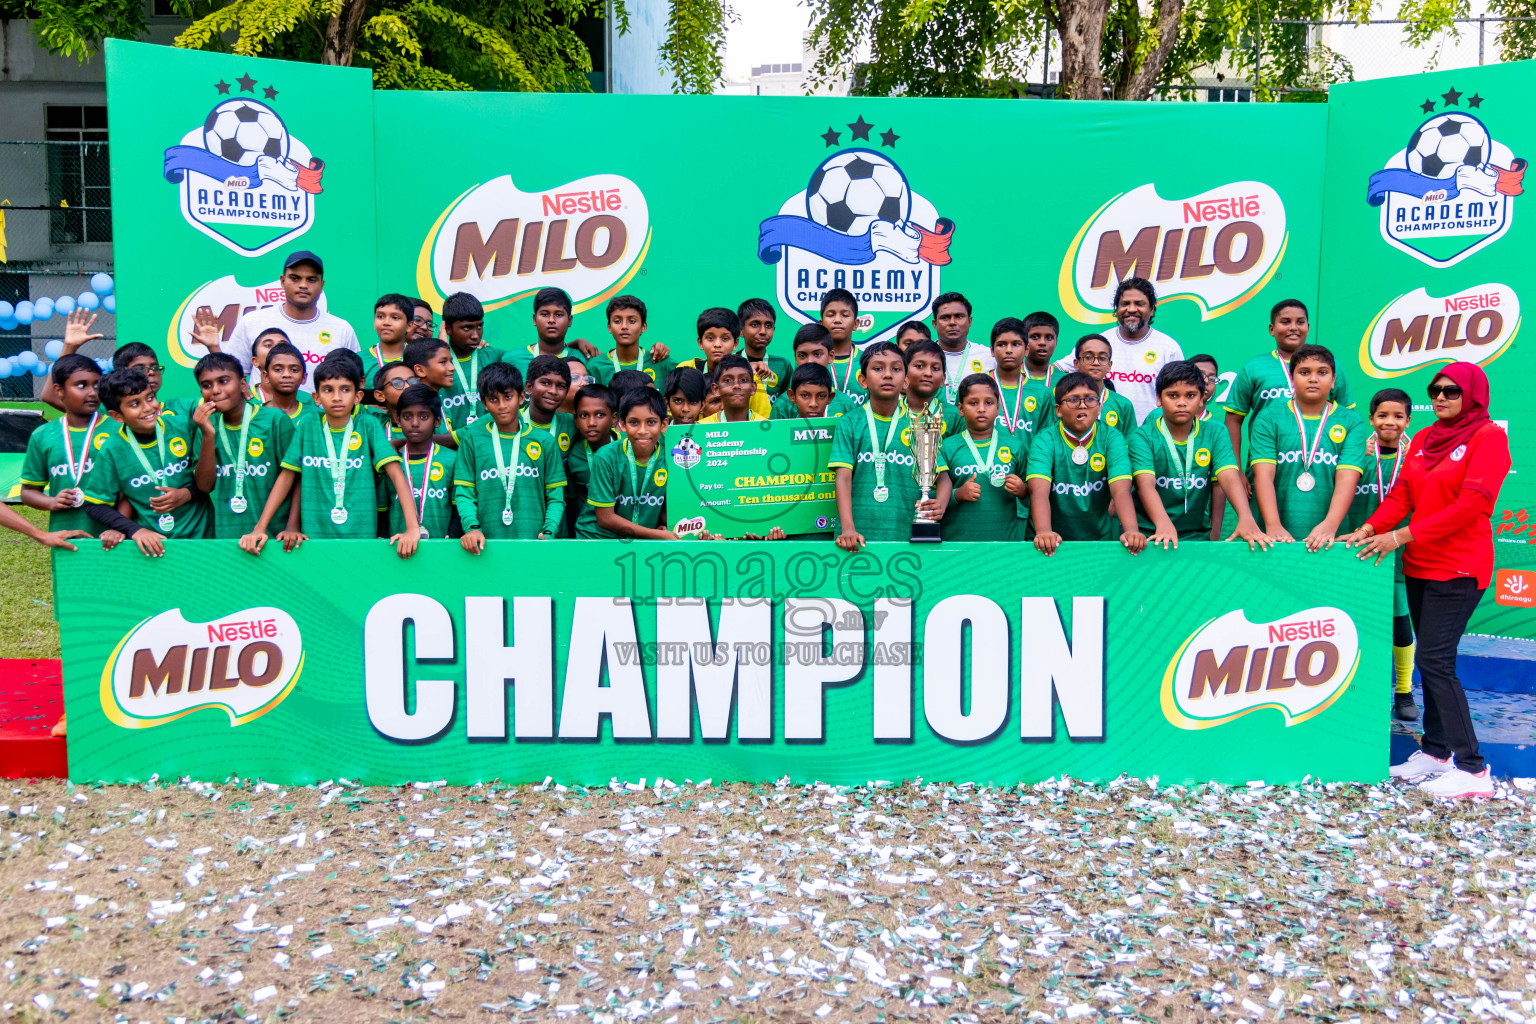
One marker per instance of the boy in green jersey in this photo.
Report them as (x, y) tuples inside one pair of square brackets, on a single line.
[(925, 388), (1041, 331), (626, 316), (337, 454), (717, 330), (1178, 460), (812, 344), (392, 315), (1391, 410), (978, 490), (1008, 374), (1265, 380), (464, 321), (809, 393), (238, 447), (596, 416), (59, 454), (1092, 356), (912, 330), (626, 494), (282, 374), (547, 381), (737, 385), (510, 480), (1306, 456), (1077, 469), (684, 392), (391, 381), (428, 465), (758, 320), (840, 315), (877, 493), (148, 460)]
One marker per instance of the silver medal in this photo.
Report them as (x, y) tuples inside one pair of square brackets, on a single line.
[(424, 534), (506, 517), (881, 493), (237, 504), (338, 515), (999, 476), (78, 499), (1079, 455), (1305, 482), (167, 523)]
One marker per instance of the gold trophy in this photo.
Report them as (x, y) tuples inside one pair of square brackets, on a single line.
[(927, 432)]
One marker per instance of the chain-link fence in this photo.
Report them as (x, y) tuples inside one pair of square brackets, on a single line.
[(55, 232)]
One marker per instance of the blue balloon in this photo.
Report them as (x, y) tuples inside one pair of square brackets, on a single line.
[(105, 364), (41, 369), (42, 309), (109, 303), (5, 368), (87, 300), (102, 284), (8, 323), (7, 311), (26, 358), (23, 312), (64, 305), (53, 349)]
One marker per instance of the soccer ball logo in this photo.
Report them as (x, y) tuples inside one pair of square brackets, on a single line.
[(244, 129), (1446, 142), (853, 189)]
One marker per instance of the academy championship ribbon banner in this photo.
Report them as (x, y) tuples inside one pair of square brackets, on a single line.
[(736, 479), (229, 161), (727, 660)]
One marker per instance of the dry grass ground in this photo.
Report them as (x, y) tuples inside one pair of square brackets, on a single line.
[(725, 903)]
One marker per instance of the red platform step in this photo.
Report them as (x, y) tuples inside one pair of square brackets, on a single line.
[(31, 701)]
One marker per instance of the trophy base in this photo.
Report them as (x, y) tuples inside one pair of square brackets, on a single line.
[(925, 532)]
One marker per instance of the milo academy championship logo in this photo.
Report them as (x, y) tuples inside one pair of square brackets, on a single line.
[(1451, 190), (245, 181), (858, 224)]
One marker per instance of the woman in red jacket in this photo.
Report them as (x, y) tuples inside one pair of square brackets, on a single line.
[(1449, 483)]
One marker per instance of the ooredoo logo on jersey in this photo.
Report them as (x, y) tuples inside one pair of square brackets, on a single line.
[(1230, 667), (244, 663)]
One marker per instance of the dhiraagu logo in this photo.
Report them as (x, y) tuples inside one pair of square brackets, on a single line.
[(166, 667), (1297, 666)]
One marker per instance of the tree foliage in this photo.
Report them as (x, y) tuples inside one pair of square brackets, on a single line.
[(75, 28)]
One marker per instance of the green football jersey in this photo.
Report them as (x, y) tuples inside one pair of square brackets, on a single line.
[(1022, 406), (852, 449), (138, 469), (604, 365), (1266, 379), (364, 452), (1080, 491), (784, 407), (267, 437), (461, 400), (521, 355), (183, 407), (845, 378), (306, 404), (1277, 440), (560, 431), (1184, 487), (1115, 411), (374, 357), (953, 424), (434, 510), (639, 500), (1381, 471), (578, 475), (537, 502), (993, 515), (58, 457)]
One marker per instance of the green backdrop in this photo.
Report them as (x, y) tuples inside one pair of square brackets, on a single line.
[(356, 692)]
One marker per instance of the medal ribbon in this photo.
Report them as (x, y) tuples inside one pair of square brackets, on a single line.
[(158, 474), (338, 466), (983, 468), (874, 439), (1397, 467), (1011, 422), (636, 487), (474, 380), (1309, 453), (847, 377), (507, 473), (245, 430), (426, 470), (1184, 466), (77, 470), (1084, 442)]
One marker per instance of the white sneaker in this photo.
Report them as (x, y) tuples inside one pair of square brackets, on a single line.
[(1420, 766), (1457, 783)]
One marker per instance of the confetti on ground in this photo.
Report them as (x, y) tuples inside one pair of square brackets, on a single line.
[(701, 902)]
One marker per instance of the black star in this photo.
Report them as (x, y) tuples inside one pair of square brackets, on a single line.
[(1452, 98), (860, 130), (888, 138), (270, 93), (1428, 106), (223, 87), (831, 137), (1474, 101), (247, 83)]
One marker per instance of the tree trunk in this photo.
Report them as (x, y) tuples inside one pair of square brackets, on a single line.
[(341, 33), (1168, 14), (1082, 37)]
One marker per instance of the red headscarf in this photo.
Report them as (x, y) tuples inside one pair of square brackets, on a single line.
[(1448, 435)]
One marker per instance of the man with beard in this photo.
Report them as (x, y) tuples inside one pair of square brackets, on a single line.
[(1138, 350)]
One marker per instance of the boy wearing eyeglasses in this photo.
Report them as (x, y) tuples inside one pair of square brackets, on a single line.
[(1079, 474), (1091, 358)]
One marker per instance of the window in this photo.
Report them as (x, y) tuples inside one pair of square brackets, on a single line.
[(79, 175), (1229, 95)]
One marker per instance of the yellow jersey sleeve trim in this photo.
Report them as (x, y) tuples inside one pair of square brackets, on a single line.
[(1038, 476), (600, 504), (1223, 468), (1143, 472), (1122, 476), (1235, 412), (32, 483), (386, 460), (100, 501), (1345, 465), (839, 465), (1267, 462), (290, 467), (464, 483), (552, 486)]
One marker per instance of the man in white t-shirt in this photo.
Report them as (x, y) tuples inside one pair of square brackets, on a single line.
[(1138, 351), (962, 357), (313, 333)]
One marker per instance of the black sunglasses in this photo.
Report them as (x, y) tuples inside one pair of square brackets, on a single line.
[(1451, 391)]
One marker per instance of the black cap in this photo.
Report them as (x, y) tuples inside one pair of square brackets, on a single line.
[(304, 256)]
